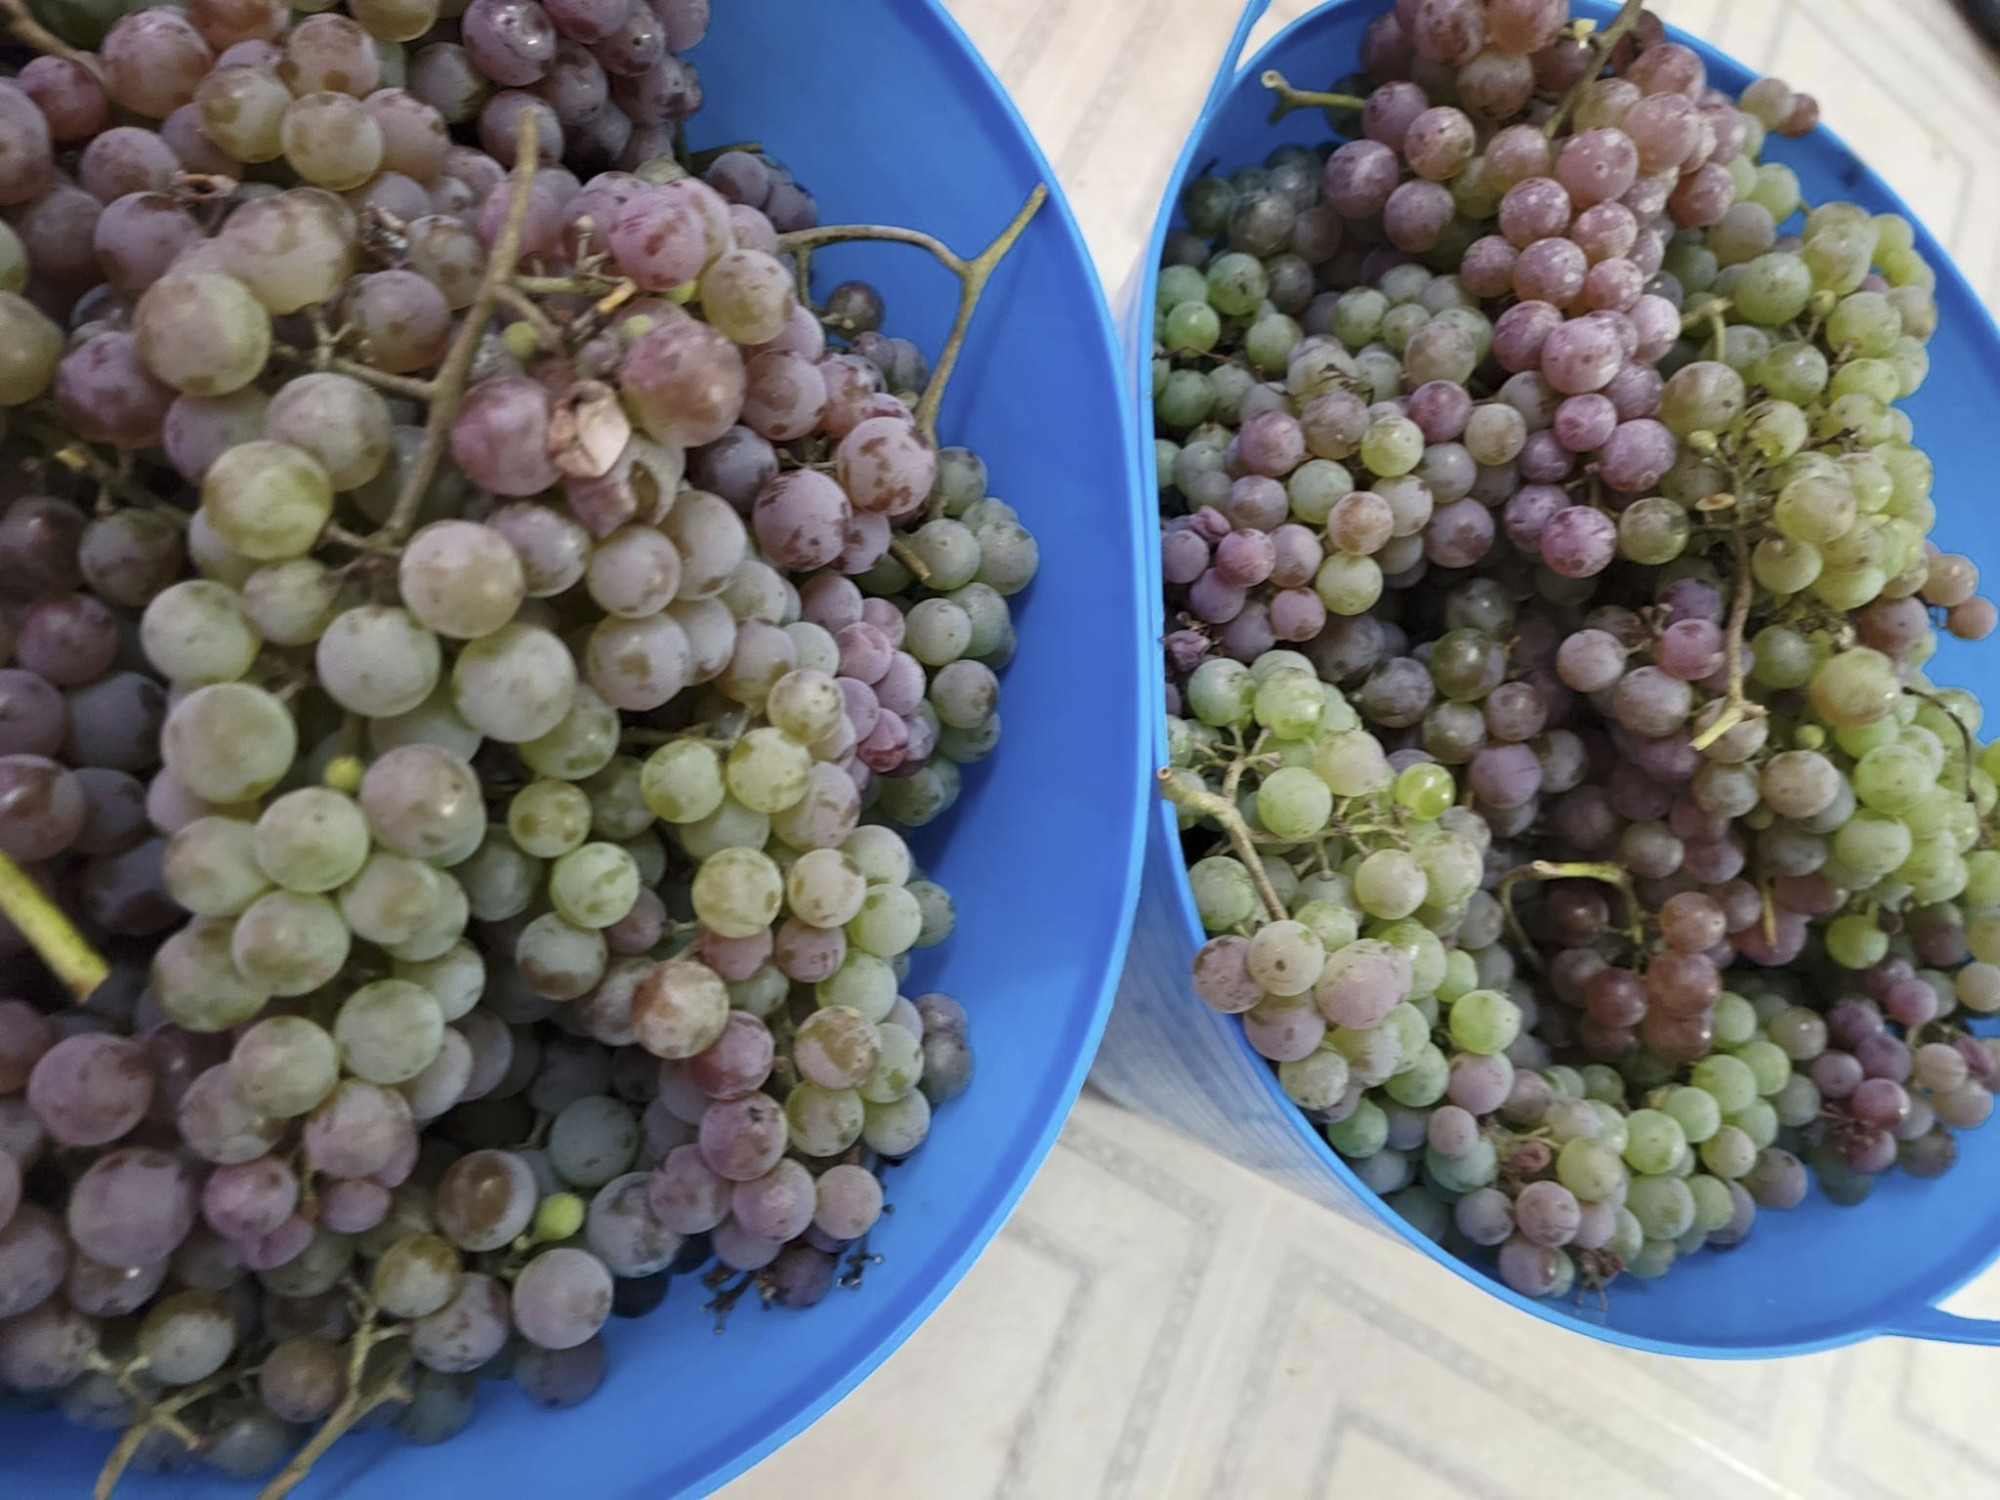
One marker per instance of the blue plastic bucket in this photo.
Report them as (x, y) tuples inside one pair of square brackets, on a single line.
[(1813, 1278), (886, 112)]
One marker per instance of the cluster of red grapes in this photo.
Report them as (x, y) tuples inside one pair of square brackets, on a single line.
[(1551, 592), (471, 634)]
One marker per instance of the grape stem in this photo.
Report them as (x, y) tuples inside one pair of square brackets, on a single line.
[(1548, 869), (49, 932), (162, 1417), (32, 33), (1737, 707), (1290, 98), (449, 387), (1971, 753), (361, 1399), (396, 385), (973, 276), (79, 458), (528, 311), (1186, 791), (1600, 50), (905, 554)]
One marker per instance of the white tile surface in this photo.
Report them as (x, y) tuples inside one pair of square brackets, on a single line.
[(1156, 1323)]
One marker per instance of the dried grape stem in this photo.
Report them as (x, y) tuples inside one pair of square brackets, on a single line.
[(973, 276), (1183, 790), (1738, 706), (49, 932), (32, 33), (1601, 49), (1290, 98), (449, 387)]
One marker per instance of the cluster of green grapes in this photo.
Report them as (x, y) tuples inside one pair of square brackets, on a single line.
[(1552, 592), (471, 640)]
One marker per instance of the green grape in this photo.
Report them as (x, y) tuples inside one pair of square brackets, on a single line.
[(1290, 703), (1728, 1080), (1180, 284), (1854, 688), (229, 742), (1352, 764), (1221, 692), (1773, 288), (1664, 1206), (1358, 315), (1461, 973), (767, 770), (1237, 283), (1192, 325), (1653, 531), (1729, 1153), (1426, 789), (389, 1031), (1184, 402), (1390, 884), (1476, 1169), (548, 818), (1768, 1064), (204, 334), (581, 745), (888, 922), (737, 892), (1714, 1205), (1317, 1081), (864, 983), (1422, 947), (682, 782), (1485, 1021), (1871, 845), (1590, 1169), (1654, 1141), (290, 943), (1815, 509), (1362, 1133), (594, 885), (1294, 804), (1348, 585), (1735, 1020), (1224, 895), (285, 1065), (210, 867), (1392, 446), (1695, 1111), (1335, 925), (1893, 779)]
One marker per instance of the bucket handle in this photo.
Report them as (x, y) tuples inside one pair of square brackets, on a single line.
[(1233, 54), (1936, 1324)]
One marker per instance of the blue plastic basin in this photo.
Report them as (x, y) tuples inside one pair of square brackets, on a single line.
[(1813, 1278), (887, 113)]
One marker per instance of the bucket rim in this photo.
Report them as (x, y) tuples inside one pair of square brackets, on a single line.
[(1921, 1316)]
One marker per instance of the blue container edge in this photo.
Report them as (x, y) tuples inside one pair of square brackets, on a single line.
[(1923, 1318)]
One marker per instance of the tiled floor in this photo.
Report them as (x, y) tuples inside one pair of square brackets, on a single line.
[(1156, 1323)]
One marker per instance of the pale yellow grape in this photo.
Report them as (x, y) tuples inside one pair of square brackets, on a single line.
[(269, 501)]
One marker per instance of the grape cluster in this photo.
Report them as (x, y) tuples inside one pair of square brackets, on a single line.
[(472, 634), (1551, 591)]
